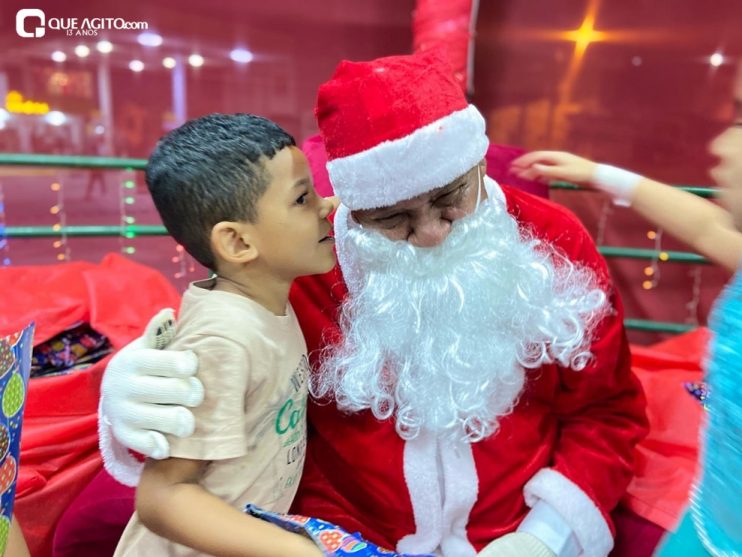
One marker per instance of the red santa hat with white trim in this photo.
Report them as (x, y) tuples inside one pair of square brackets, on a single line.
[(395, 128)]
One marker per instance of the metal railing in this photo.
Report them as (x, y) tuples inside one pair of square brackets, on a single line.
[(126, 230)]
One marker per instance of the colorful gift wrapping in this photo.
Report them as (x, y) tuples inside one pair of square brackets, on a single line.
[(698, 390), (331, 539), (77, 347), (15, 368)]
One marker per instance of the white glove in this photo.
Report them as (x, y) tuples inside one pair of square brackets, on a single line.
[(143, 394), (517, 544)]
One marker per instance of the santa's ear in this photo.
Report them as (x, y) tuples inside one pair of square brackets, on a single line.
[(232, 242)]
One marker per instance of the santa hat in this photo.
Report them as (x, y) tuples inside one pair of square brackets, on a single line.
[(395, 128)]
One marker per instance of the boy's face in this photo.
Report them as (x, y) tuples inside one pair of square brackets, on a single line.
[(292, 230), (728, 148)]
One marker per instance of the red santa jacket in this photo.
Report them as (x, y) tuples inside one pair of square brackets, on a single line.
[(570, 440)]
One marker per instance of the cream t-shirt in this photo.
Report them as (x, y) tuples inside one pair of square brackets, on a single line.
[(252, 423)]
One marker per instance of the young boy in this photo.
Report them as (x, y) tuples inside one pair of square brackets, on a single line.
[(237, 194)]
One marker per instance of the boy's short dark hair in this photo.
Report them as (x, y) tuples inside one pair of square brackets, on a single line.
[(209, 170)]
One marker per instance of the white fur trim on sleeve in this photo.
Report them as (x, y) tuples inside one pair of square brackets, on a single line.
[(117, 459), (575, 507), (428, 158)]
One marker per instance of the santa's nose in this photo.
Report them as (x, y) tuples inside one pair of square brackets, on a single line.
[(429, 233)]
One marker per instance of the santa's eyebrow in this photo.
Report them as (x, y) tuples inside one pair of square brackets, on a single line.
[(452, 187), (458, 180)]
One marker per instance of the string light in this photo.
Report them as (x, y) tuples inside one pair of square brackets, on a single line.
[(693, 304), (126, 201), (4, 246), (61, 246), (652, 271), (185, 263), (179, 260)]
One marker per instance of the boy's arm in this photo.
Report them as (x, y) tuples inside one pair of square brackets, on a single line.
[(172, 504), (16, 544), (703, 225)]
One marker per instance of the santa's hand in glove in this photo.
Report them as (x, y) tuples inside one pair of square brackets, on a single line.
[(517, 544), (143, 393)]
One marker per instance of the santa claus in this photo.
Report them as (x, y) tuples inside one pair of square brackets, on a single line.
[(472, 385)]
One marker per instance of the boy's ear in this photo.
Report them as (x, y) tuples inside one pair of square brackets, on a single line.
[(232, 243)]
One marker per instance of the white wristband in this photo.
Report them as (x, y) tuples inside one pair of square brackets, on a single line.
[(617, 183)]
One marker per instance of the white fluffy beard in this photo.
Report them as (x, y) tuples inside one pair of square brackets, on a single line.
[(440, 337)]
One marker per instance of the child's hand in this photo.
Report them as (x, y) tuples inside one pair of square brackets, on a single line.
[(554, 166)]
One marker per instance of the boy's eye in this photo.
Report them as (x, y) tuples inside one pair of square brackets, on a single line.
[(302, 199)]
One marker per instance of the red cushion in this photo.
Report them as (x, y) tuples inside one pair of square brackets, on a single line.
[(59, 440)]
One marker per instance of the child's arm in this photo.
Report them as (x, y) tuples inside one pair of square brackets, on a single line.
[(16, 545), (701, 224), (172, 504)]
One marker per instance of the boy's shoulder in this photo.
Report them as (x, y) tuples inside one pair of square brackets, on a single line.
[(208, 312), (205, 311)]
